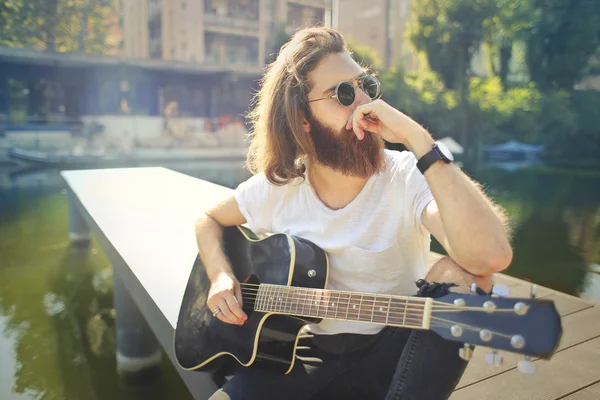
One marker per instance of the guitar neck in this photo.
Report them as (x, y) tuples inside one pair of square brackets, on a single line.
[(383, 309)]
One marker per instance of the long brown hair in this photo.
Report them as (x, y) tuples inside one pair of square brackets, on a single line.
[(278, 140)]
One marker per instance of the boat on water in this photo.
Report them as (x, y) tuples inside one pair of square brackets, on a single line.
[(94, 158)]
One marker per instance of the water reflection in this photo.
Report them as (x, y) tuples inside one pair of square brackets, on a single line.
[(556, 222), (56, 315)]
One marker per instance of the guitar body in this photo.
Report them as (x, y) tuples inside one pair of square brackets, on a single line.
[(267, 340)]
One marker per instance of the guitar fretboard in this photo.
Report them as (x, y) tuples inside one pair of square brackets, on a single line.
[(383, 309)]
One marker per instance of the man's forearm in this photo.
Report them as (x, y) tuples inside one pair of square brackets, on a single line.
[(209, 237), (475, 229)]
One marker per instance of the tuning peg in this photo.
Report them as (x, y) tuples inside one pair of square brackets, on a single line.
[(533, 288), (473, 288), (500, 290), (466, 352), (526, 366), (494, 358)]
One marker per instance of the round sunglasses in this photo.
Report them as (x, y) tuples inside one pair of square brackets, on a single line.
[(345, 93)]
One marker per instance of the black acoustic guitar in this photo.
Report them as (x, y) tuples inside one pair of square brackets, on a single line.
[(283, 280)]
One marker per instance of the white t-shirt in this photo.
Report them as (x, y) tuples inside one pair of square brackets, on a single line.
[(375, 244)]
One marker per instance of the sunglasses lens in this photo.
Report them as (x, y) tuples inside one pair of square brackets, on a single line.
[(371, 86), (345, 94)]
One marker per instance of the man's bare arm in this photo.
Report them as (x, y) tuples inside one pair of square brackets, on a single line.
[(225, 292), (471, 228)]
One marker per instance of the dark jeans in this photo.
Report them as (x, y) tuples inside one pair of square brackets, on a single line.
[(396, 363)]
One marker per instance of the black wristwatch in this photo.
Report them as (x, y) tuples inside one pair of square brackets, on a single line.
[(439, 152)]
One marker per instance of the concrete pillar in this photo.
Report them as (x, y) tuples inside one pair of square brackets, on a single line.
[(79, 232), (138, 351)]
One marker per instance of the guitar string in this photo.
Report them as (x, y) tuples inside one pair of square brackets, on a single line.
[(300, 301), (437, 305), (412, 314), (411, 317), (309, 303), (415, 320)]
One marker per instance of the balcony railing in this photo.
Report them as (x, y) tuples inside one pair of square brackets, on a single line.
[(312, 3), (225, 21)]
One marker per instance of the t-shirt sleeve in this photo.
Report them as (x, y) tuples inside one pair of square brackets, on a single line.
[(421, 194), (418, 194), (255, 198)]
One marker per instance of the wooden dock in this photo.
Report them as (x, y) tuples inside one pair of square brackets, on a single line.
[(573, 373)]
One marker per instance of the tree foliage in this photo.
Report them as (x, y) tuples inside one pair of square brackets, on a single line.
[(564, 35), (60, 25), (449, 32), (509, 24), (363, 55)]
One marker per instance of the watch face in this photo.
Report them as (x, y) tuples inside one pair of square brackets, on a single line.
[(445, 151)]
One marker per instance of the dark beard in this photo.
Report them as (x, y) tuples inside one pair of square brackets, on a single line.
[(343, 152)]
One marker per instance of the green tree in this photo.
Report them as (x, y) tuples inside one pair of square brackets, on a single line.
[(281, 37), (564, 36), (59, 25), (363, 55), (503, 28), (448, 33)]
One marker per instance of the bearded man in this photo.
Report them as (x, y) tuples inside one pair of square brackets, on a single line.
[(321, 172)]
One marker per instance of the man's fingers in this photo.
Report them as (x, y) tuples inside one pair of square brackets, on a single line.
[(226, 315), (236, 310), (360, 134)]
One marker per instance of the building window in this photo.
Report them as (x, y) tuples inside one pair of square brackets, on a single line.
[(303, 16), (155, 29), (231, 49), (242, 9)]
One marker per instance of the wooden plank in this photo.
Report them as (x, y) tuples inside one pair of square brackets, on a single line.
[(565, 373), (566, 304), (500, 278), (523, 289), (589, 393), (577, 328)]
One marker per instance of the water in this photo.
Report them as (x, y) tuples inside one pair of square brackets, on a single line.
[(56, 316)]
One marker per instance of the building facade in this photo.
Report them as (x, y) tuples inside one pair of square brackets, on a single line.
[(198, 60), (236, 33), (379, 24)]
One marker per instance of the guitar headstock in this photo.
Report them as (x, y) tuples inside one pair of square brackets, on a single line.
[(518, 325)]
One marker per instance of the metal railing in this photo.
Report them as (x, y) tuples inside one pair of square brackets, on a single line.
[(226, 21)]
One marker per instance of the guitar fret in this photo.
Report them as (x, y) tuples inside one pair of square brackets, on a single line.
[(281, 298), (267, 298), (265, 290), (286, 298), (373, 309), (275, 299), (298, 303), (348, 306), (387, 314), (259, 298), (337, 304), (272, 298), (359, 307)]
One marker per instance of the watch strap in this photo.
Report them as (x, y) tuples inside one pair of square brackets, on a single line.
[(428, 159)]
